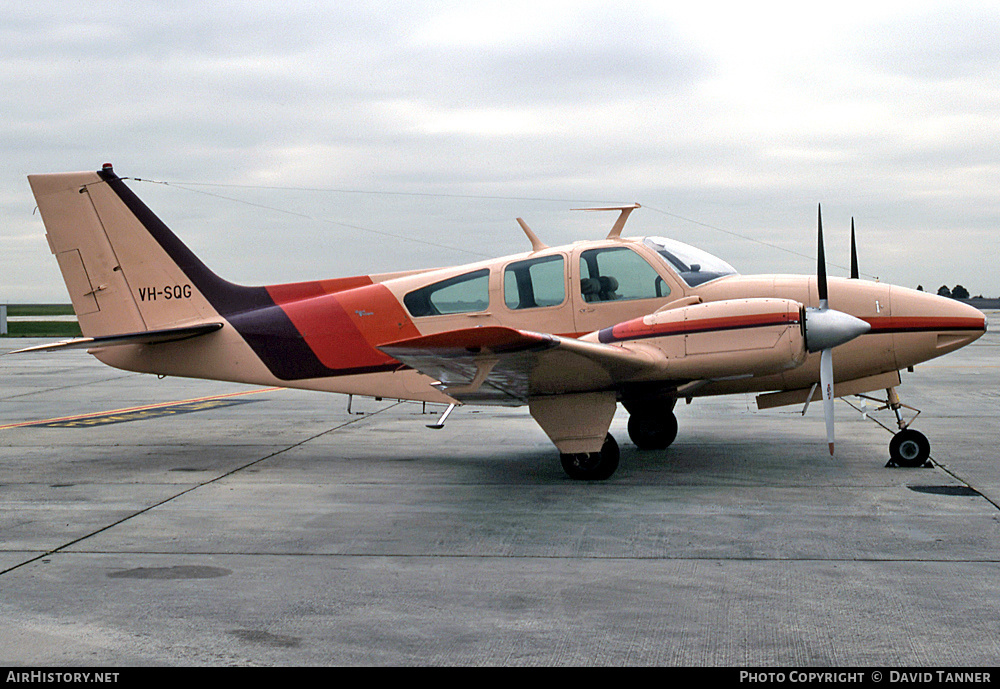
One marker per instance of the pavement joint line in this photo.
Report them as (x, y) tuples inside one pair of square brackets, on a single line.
[(195, 487), (66, 387), (965, 483)]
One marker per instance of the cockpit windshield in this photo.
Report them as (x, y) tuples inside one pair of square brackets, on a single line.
[(693, 265)]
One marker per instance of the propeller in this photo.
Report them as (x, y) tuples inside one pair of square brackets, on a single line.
[(855, 273), (827, 328)]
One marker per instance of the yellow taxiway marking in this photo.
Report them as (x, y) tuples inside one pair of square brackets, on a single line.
[(136, 413)]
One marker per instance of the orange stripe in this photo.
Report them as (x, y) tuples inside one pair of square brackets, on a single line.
[(343, 329), (144, 407)]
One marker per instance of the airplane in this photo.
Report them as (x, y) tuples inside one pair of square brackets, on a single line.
[(569, 331)]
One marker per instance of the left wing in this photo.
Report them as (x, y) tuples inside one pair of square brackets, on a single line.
[(505, 366)]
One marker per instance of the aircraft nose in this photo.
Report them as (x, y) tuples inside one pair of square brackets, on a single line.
[(926, 325)]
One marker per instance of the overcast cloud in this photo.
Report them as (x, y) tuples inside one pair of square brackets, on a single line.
[(364, 137)]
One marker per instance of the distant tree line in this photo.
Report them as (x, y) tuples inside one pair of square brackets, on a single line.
[(957, 292)]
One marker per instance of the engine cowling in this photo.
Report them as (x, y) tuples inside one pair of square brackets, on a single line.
[(722, 339)]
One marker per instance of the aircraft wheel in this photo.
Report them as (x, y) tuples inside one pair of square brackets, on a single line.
[(650, 430), (909, 448), (592, 466)]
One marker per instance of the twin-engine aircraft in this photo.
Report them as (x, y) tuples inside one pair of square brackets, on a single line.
[(569, 331)]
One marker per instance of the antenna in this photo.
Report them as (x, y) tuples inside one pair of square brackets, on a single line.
[(536, 243), (616, 231)]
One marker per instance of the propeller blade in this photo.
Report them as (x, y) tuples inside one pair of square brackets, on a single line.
[(855, 274), (826, 384), (821, 263)]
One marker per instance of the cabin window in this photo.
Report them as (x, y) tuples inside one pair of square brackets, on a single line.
[(461, 294), (618, 273), (535, 283)]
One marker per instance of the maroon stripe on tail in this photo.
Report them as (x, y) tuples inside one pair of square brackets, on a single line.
[(252, 311)]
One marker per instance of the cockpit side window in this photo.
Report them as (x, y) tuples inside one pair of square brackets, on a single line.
[(692, 264), (461, 294), (535, 283), (618, 273)]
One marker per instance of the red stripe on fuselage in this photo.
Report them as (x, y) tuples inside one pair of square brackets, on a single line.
[(472, 340), (344, 325), (896, 324), (637, 329), (283, 294)]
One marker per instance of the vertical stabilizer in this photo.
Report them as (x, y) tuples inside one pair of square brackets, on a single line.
[(97, 285), (125, 271)]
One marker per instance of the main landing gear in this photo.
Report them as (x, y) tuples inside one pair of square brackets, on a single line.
[(652, 429), (593, 466), (649, 427), (908, 448)]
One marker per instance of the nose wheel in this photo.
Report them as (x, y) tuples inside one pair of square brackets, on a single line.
[(909, 448)]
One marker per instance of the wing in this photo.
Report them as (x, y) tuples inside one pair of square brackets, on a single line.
[(505, 366), (689, 345)]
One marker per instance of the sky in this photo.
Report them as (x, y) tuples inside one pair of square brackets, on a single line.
[(294, 141)]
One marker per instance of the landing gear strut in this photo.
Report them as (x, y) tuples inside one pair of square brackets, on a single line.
[(592, 466), (908, 448)]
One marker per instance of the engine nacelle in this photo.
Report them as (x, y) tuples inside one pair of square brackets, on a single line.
[(722, 339)]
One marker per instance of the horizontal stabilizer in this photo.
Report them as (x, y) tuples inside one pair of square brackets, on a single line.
[(144, 337)]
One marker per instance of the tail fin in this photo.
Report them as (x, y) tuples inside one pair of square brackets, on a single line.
[(125, 270)]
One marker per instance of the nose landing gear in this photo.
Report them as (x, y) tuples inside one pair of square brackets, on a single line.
[(908, 448)]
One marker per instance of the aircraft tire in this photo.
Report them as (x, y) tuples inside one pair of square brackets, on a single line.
[(651, 430), (909, 448), (593, 466)]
